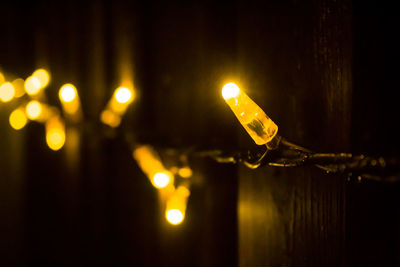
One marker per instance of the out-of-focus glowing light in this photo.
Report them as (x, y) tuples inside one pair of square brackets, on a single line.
[(2, 78), (176, 205), (7, 92), (71, 103), (32, 85), (174, 216), (161, 179), (19, 87), (110, 118), (254, 120), (33, 109), (123, 95), (55, 133), (230, 90), (18, 119), (150, 163), (185, 172), (67, 93), (43, 76), (117, 106)]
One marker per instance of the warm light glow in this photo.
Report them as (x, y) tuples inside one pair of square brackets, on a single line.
[(161, 179), (117, 106), (230, 90), (55, 133), (33, 109), (19, 87), (150, 163), (7, 92), (32, 85), (43, 77), (18, 119), (110, 118), (254, 120), (174, 216), (2, 78), (176, 205), (185, 172), (123, 95), (67, 93), (71, 103)]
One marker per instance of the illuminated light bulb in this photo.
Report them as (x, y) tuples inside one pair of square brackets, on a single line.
[(150, 163), (117, 106), (176, 205), (230, 90), (110, 118), (7, 92), (70, 102), (123, 95), (55, 133), (18, 119), (67, 93), (2, 78), (19, 87), (162, 179), (32, 85), (43, 77), (254, 120), (185, 172), (174, 216), (33, 109)]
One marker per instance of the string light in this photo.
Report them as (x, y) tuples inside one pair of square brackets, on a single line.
[(2, 78), (34, 109), (43, 76), (70, 101), (185, 172), (257, 124), (254, 120), (123, 95), (176, 205), (55, 133), (117, 106), (161, 179), (37, 82), (32, 85), (18, 118), (150, 163), (19, 87), (7, 92)]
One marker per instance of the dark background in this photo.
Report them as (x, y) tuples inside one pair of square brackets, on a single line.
[(324, 71)]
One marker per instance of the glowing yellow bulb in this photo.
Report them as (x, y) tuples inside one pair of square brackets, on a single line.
[(174, 216), (176, 205), (67, 93), (19, 87), (7, 92), (123, 95), (110, 118), (32, 85), (185, 172), (254, 120), (43, 77), (161, 179), (18, 119), (55, 133), (33, 109), (2, 78), (230, 90)]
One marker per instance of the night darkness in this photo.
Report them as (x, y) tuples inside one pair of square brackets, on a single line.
[(324, 71)]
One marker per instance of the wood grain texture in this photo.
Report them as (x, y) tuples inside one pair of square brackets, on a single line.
[(295, 58)]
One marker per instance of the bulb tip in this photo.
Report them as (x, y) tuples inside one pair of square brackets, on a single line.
[(230, 90)]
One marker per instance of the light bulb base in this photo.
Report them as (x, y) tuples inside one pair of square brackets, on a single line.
[(274, 143)]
